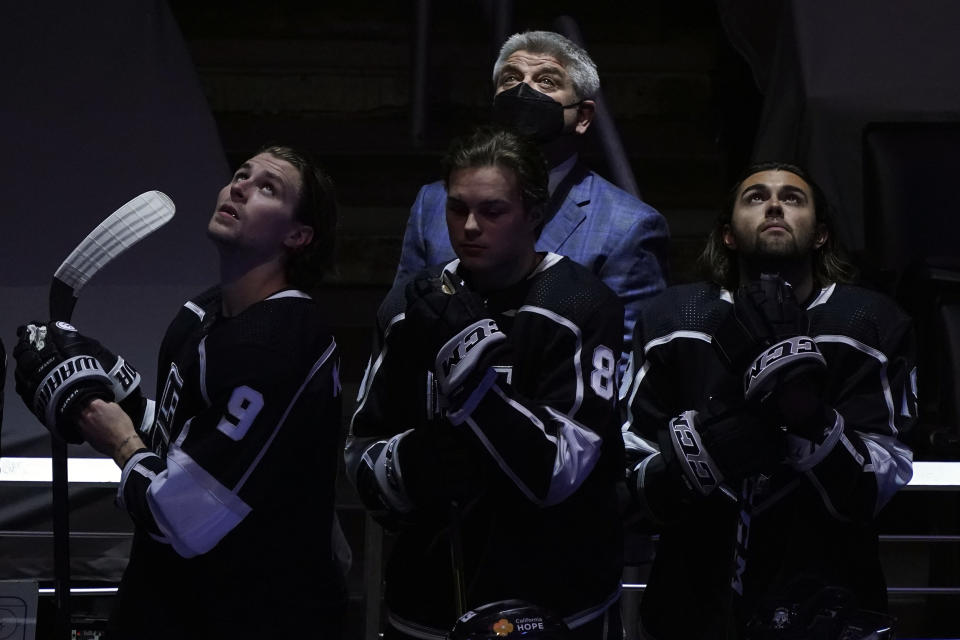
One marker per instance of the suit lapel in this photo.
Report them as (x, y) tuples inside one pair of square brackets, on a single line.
[(571, 215)]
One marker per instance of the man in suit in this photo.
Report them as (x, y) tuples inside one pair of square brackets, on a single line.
[(543, 87)]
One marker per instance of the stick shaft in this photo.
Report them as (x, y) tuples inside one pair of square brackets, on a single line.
[(61, 538), (126, 226)]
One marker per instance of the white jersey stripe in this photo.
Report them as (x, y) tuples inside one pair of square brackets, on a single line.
[(642, 372), (202, 354), (694, 335), (373, 366), (577, 368), (892, 464), (832, 510), (524, 489), (290, 293), (823, 296), (191, 507), (578, 450), (195, 309), (881, 358), (283, 418), (133, 465), (637, 379)]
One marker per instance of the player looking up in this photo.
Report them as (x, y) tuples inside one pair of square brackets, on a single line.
[(231, 485), (775, 395), (492, 390)]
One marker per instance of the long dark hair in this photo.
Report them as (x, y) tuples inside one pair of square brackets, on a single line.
[(316, 208), (719, 264)]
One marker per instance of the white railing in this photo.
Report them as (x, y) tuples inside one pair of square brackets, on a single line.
[(934, 476)]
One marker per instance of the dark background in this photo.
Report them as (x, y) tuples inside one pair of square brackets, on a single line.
[(103, 101)]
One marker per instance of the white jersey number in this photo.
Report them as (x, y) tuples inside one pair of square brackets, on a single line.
[(604, 372), (242, 409)]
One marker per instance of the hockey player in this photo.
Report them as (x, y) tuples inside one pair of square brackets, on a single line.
[(775, 395), (486, 428), (544, 85), (231, 486)]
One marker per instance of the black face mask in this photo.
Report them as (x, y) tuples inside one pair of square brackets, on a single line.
[(530, 112)]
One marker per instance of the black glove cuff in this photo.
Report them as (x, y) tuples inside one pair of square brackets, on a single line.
[(699, 470)]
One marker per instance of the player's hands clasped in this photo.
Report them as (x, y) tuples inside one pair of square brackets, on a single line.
[(787, 377), (59, 371), (453, 326), (441, 464), (705, 448), (766, 337), (769, 309)]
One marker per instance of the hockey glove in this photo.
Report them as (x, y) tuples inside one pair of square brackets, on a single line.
[(419, 472), (442, 463), (453, 327), (765, 336), (59, 371), (704, 449), (799, 407)]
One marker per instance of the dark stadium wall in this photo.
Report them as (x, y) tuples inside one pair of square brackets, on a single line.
[(101, 102)]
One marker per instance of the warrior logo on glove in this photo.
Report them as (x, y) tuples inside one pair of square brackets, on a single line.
[(59, 371), (68, 372)]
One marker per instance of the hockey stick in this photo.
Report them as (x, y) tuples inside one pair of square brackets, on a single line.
[(456, 559), (122, 229)]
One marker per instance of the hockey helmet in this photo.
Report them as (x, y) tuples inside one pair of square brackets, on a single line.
[(509, 620)]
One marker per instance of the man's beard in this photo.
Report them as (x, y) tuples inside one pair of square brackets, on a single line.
[(772, 248), (774, 254)]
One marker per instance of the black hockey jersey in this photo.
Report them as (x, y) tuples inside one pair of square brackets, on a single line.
[(234, 502), (544, 524), (809, 521)]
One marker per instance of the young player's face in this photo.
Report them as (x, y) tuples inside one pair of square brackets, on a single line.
[(489, 227), (547, 75), (255, 211), (774, 217)]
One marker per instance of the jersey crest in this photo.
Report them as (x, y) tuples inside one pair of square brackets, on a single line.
[(159, 432)]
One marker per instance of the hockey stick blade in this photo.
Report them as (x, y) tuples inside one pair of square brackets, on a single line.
[(122, 229)]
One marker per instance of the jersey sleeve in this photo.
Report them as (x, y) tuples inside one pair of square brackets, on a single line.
[(223, 464), (862, 461), (546, 429), (655, 394), (542, 422), (391, 402), (870, 393)]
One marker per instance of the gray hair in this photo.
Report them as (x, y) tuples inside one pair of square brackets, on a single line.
[(576, 61)]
